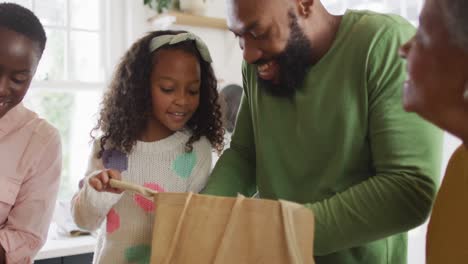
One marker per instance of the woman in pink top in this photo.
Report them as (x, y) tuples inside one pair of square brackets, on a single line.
[(30, 151)]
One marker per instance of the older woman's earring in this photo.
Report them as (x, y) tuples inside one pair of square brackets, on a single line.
[(465, 92)]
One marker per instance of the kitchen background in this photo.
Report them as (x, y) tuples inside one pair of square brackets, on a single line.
[(86, 39)]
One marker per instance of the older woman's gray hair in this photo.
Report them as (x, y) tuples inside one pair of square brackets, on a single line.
[(456, 15)]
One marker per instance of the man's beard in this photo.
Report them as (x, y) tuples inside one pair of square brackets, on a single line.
[(293, 63)]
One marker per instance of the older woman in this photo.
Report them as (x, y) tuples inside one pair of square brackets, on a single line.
[(437, 90), (30, 152)]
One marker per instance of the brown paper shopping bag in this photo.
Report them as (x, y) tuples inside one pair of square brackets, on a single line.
[(192, 228)]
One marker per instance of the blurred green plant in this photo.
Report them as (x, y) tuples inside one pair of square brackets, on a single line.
[(161, 5)]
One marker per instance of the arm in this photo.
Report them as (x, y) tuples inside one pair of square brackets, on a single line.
[(90, 207), (28, 222), (406, 154), (235, 170)]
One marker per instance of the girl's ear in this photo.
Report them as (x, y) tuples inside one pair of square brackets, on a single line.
[(305, 7)]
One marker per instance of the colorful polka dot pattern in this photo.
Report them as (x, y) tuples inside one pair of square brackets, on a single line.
[(140, 254), (144, 203), (114, 159), (113, 221), (183, 165)]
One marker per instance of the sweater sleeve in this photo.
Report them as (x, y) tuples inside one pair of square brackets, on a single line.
[(90, 207), (406, 158), (235, 170)]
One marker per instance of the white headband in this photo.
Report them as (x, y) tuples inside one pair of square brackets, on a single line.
[(158, 42)]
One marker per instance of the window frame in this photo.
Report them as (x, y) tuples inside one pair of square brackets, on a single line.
[(112, 16)]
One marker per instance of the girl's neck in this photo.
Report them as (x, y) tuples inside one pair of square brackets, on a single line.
[(155, 132)]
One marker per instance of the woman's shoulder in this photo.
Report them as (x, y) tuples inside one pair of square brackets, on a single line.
[(42, 133), (459, 156)]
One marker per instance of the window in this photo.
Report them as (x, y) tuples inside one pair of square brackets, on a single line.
[(407, 8), (68, 84)]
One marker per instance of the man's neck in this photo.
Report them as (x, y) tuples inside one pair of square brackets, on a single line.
[(328, 36)]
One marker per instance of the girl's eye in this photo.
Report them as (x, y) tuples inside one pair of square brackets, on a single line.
[(166, 90), (194, 92)]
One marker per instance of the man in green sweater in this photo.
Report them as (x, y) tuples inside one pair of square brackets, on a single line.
[(321, 123)]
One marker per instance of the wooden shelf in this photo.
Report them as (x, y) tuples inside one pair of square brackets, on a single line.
[(190, 20)]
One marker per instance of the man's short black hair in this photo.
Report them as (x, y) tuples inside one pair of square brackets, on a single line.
[(19, 19)]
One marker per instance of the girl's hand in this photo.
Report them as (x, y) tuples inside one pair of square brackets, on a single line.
[(100, 182)]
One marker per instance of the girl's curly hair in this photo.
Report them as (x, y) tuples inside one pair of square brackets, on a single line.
[(122, 116)]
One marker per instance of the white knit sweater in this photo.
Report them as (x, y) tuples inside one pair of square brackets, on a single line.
[(126, 219)]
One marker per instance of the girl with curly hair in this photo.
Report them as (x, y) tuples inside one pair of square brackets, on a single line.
[(160, 120)]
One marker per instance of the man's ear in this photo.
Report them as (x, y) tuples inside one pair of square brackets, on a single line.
[(305, 7)]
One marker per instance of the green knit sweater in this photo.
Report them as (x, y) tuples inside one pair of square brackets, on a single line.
[(343, 146)]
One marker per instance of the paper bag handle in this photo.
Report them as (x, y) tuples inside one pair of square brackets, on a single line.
[(290, 234), (175, 239), (128, 186), (228, 230)]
